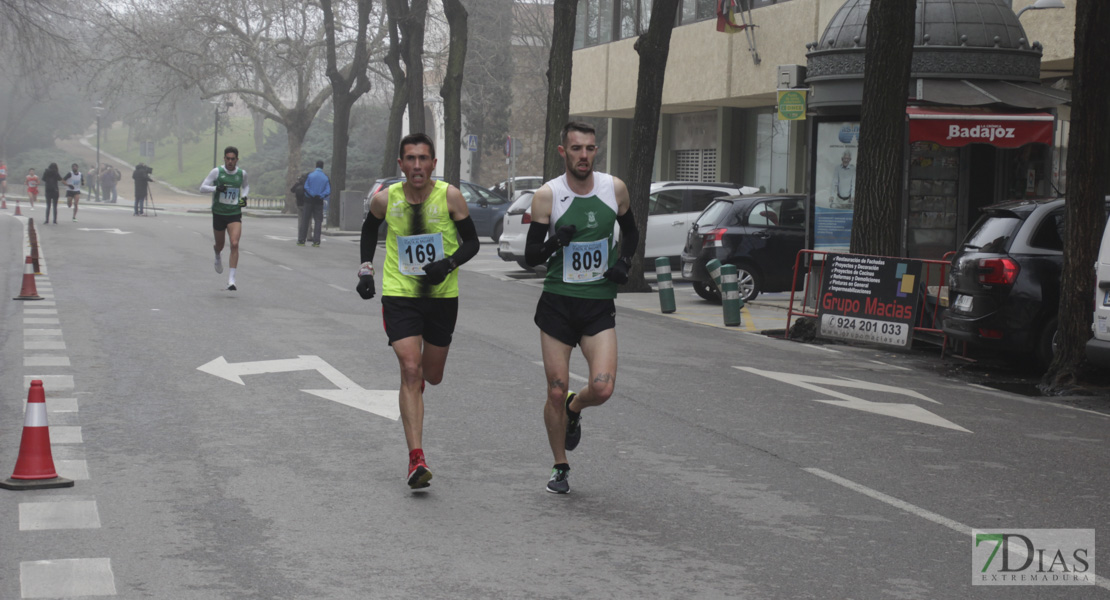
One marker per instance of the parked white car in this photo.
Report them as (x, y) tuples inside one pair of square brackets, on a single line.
[(673, 206), (1098, 347)]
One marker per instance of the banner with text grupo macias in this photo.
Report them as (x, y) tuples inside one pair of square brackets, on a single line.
[(869, 299)]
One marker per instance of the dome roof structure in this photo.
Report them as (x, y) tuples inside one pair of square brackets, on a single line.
[(958, 39)]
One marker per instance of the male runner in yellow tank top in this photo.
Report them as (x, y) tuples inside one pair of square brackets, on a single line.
[(426, 221)]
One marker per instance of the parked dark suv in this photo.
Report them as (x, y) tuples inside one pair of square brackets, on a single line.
[(761, 235), (1004, 285)]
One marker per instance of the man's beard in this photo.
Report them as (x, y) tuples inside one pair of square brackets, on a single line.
[(574, 172)]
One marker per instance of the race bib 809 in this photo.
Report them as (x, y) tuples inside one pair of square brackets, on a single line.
[(585, 261)]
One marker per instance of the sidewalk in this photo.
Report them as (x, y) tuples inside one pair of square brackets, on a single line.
[(766, 312)]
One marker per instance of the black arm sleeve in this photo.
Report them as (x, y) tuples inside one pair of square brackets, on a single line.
[(470, 245), (369, 243), (536, 251), (630, 236)]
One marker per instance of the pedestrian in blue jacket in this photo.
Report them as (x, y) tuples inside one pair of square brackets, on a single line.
[(317, 191)]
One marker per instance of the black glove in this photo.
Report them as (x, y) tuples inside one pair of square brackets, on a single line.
[(565, 233), (436, 272), (221, 188), (618, 273), (365, 286)]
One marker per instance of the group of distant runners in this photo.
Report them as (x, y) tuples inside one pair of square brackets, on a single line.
[(429, 234)]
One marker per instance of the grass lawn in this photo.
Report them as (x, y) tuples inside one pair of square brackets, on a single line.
[(196, 158)]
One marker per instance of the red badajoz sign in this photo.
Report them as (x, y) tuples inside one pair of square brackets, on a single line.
[(955, 129)]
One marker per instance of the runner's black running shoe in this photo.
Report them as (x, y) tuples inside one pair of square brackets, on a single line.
[(231, 287), (574, 425), (560, 481)]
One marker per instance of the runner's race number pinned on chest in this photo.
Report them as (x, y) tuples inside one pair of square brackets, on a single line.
[(585, 261), (415, 251), (230, 196)]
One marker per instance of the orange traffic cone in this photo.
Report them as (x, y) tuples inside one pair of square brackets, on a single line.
[(29, 292), (17, 213), (34, 469), (4, 204)]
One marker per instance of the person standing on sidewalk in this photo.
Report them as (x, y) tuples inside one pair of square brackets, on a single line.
[(142, 179), (3, 179), (576, 213), (317, 190), (229, 188), (32, 186), (50, 179), (425, 222), (74, 179)]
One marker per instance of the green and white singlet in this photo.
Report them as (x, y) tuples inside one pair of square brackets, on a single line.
[(418, 234), (577, 270), (227, 203)]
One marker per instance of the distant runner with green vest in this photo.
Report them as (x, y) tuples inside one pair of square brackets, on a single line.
[(429, 235), (228, 186), (576, 212)]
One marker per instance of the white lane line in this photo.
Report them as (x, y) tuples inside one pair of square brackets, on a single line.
[(889, 366), (65, 578), (340, 288), (46, 361), (59, 405), (38, 332), (38, 311), (1034, 401), (285, 267), (826, 349), (75, 469), (50, 383), (572, 375), (77, 514), (39, 321), (981, 387), (915, 510), (32, 345), (65, 434)]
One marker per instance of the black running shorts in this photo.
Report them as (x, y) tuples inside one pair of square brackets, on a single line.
[(568, 319), (219, 222), (72, 193), (431, 318)]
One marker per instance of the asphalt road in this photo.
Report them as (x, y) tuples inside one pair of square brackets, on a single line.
[(727, 464)]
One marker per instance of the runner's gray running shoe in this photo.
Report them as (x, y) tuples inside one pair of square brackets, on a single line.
[(574, 425), (559, 482), (219, 264)]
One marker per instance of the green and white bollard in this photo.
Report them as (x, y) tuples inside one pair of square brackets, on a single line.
[(714, 268), (730, 295), (665, 284)]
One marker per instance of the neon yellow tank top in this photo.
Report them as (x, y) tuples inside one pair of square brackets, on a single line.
[(418, 234)]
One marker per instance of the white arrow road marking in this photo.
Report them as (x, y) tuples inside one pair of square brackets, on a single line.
[(910, 412), (113, 230), (379, 402)]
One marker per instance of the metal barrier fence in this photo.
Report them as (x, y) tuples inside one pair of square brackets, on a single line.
[(933, 288), (262, 203)]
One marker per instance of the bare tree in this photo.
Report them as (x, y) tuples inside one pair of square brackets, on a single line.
[(396, 11), (886, 77), (348, 85), (451, 91), (1087, 185), (558, 84), (412, 28), (654, 49)]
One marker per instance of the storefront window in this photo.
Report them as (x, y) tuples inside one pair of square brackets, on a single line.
[(772, 153), (933, 200)]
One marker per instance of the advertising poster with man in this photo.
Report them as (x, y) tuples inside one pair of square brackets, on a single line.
[(835, 184)]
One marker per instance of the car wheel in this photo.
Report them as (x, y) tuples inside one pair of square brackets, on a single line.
[(523, 265), (708, 291), (748, 282), (1047, 342), (497, 232)]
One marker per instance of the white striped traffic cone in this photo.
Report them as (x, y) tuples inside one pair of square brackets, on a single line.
[(29, 291), (34, 469)]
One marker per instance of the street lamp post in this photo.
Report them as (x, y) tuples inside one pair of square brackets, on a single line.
[(99, 110), (1041, 5), (216, 129)]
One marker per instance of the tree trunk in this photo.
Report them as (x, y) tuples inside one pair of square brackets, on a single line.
[(259, 123), (653, 48), (296, 129), (876, 221), (451, 92), (558, 84), (395, 11), (1087, 184), (413, 30)]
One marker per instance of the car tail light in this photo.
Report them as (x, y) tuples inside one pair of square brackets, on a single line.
[(526, 218), (998, 271), (713, 238)]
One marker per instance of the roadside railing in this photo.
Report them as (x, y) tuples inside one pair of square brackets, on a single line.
[(932, 298), (264, 203)]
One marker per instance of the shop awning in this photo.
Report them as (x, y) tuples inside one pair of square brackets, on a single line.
[(978, 92), (960, 128)]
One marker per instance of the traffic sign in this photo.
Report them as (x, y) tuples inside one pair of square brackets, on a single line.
[(472, 143)]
